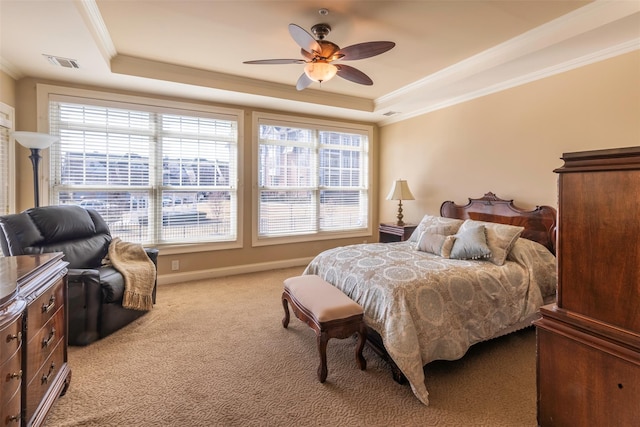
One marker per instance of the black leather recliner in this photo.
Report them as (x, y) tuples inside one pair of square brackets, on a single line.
[(95, 291)]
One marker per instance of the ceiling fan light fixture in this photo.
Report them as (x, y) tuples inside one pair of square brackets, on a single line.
[(319, 54), (320, 71)]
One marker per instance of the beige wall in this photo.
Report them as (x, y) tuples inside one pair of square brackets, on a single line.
[(510, 142), (196, 265), (7, 89)]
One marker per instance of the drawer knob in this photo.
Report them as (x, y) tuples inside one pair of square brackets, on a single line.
[(12, 337), (52, 303), (17, 375), (45, 378), (13, 418), (47, 341)]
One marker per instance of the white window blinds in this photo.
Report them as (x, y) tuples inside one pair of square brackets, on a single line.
[(156, 175), (7, 180), (311, 180)]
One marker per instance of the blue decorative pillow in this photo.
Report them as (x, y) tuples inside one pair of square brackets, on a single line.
[(471, 243), (500, 238)]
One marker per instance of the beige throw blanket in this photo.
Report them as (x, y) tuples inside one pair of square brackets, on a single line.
[(139, 272)]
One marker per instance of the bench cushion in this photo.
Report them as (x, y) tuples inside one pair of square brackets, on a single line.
[(323, 300)]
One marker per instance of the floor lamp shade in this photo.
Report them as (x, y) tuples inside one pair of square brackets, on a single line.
[(400, 191), (34, 141)]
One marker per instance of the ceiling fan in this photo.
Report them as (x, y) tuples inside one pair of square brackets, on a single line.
[(320, 54)]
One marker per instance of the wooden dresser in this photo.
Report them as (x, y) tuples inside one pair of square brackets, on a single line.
[(588, 343), (11, 314), (34, 321)]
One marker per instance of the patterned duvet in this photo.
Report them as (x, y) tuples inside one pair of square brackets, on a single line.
[(429, 308)]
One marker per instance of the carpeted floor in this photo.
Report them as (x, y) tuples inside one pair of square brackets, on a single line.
[(214, 353)]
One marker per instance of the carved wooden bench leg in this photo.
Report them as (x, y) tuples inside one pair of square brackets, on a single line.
[(322, 339), (285, 320), (329, 312)]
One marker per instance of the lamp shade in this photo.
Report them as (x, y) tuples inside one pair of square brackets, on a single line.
[(320, 71), (34, 139), (400, 191)]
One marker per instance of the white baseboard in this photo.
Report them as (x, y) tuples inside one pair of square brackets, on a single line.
[(165, 279)]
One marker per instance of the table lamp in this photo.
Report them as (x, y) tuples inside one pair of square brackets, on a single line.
[(400, 191)]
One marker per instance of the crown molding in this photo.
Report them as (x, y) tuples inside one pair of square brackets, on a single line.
[(10, 69), (440, 90), (498, 68), (93, 19), (519, 80), (134, 66), (587, 18)]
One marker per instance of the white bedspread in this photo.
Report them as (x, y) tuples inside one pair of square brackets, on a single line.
[(429, 308)]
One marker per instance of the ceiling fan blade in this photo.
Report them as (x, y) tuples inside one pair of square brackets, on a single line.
[(276, 61), (304, 39), (303, 82), (363, 50), (353, 75), (310, 56)]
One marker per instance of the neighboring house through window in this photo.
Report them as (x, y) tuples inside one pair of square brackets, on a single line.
[(158, 173), (164, 172), (312, 179)]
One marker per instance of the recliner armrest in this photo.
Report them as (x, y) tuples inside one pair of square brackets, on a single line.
[(85, 296), (85, 275), (152, 253)]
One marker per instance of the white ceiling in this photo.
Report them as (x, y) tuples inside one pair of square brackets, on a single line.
[(446, 51)]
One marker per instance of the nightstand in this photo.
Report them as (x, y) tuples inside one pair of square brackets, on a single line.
[(390, 232)]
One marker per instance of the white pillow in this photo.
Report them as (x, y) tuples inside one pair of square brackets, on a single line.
[(437, 225), (437, 244)]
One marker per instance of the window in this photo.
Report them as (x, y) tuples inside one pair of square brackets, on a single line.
[(7, 180), (157, 175), (312, 179)]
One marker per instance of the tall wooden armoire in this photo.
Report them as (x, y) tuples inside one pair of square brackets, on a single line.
[(588, 343)]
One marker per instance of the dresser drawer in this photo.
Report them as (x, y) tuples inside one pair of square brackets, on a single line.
[(585, 381), (11, 375), (44, 377), (11, 412), (45, 306), (11, 331), (42, 342)]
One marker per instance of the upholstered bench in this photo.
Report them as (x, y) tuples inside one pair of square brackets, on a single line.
[(328, 311)]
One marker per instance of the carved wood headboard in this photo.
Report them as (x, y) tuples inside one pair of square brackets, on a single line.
[(539, 224)]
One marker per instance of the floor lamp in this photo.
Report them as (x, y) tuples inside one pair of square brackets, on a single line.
[(35, 142)]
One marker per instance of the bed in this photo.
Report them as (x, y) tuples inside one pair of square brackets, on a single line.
[(473, 273)]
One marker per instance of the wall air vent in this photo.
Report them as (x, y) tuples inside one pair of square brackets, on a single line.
[(62, 62)]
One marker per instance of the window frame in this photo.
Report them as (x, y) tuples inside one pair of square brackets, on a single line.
[(7, 121), (316, 124), (95, 97)]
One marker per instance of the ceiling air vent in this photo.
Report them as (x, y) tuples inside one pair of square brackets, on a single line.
[(390, 113), (62, 62)]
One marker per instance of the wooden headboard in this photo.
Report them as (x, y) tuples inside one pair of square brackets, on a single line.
[(539, 224)]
